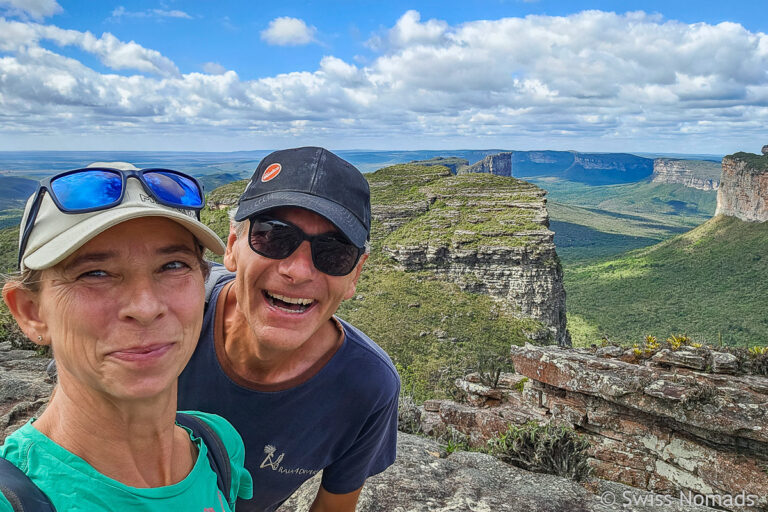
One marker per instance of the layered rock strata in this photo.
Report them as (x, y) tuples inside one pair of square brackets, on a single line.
[(665, 425), (696, 174), (743, 191), (488, 234)]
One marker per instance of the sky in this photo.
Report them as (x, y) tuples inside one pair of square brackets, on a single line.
[(229, 75)]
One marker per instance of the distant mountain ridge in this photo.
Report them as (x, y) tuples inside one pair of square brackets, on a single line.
[(590, 168)]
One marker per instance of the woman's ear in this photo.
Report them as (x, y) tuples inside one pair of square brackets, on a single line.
[(25, 308)]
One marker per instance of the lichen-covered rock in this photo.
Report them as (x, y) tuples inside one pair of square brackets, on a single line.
[(699, 174), (425, 479), (683, 358), (663, 425), (723, 362)]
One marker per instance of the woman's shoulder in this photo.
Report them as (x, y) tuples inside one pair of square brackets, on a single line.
[(223, 428), (233, 444), (16, 445)]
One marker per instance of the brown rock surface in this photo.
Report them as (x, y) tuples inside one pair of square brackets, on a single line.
[(425, 479), (660, 425), (743, 191), (24, 387)]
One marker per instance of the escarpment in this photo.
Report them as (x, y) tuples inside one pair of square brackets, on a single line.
[(488, 234), (699, 174), (743, 191), (591, 168)]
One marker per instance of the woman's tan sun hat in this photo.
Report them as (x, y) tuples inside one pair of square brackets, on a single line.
[(56, 235)]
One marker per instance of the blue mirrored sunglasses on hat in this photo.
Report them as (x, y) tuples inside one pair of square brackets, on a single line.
[(100, 188)]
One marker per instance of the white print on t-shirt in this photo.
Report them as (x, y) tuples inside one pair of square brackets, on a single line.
[(270, 462), (269, 459)]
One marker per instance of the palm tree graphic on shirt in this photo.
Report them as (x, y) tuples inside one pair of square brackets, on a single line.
[(269, 460)]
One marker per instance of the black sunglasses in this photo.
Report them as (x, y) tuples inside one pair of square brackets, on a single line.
[(332, 253), (100, 188)]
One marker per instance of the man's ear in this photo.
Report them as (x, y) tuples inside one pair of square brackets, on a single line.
[(230, 261), (25, 308), (355, 276)]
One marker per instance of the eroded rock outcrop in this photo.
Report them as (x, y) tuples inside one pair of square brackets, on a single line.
[(488, 234), (662, 424), (426, 479), (743, 191), (699, 174), (24, 387)]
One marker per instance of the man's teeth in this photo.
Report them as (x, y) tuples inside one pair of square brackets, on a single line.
[(291, 300)]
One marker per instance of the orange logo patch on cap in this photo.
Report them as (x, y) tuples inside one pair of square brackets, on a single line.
[(271, 172)]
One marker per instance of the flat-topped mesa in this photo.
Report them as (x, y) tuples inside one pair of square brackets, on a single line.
[(488, 234), (743, 191), (699, 174)]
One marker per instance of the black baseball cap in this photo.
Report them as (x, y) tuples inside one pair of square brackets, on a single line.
[(314, 179)]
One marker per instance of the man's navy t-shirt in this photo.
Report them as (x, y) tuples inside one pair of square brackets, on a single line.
[(341, 421)]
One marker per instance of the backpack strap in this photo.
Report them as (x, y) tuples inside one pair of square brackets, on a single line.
[(20, 491), (217, 452)]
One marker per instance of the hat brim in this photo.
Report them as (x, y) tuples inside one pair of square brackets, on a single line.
[(338, 215), (70, 240)]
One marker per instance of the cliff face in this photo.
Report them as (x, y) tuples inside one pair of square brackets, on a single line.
[(499, 164), (488, 234), (743, 191), (697, 174)]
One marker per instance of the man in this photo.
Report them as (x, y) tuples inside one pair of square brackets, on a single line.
[(308, 392)]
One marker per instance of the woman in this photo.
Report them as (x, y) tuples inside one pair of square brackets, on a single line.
[(112, 279)]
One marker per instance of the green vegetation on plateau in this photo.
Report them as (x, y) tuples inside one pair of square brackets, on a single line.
[(710, 283), (464, 211), (755, 163)]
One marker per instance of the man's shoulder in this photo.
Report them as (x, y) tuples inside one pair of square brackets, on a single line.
[(368, 359)]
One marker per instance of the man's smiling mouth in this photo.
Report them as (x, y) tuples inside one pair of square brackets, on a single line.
[(288, 304)]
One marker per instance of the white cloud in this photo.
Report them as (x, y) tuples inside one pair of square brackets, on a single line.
[(35, 9), (214, 68), (596, 76), (121, 12), (287, 31), (112, 52)]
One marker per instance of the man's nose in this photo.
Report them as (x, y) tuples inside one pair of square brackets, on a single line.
[(298, 266)]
